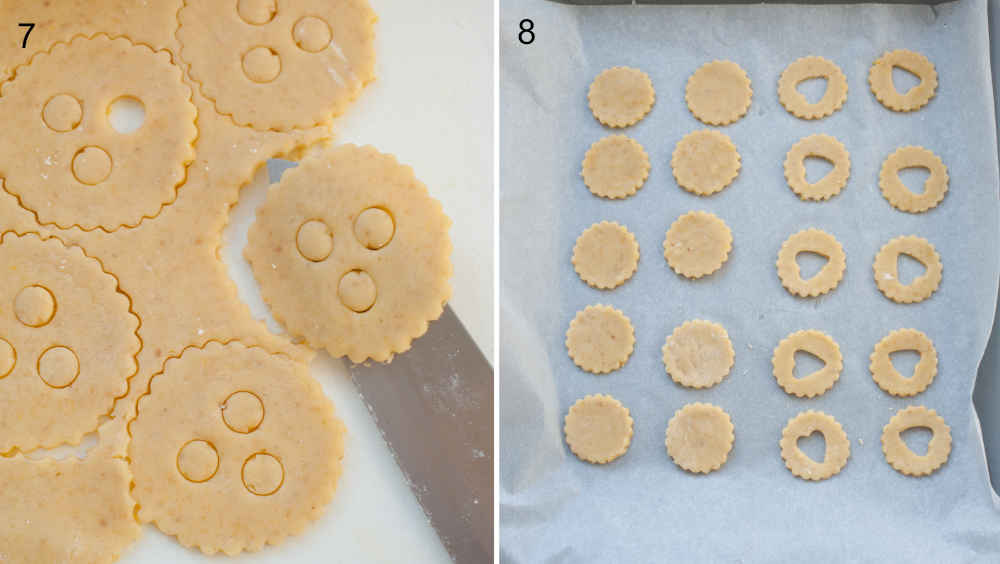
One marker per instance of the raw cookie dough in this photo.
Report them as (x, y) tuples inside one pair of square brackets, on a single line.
[(66, 163), (718, 93), (699, 437), (615, 167), (598, 429), (67, 343), (804, 69), (234, 447), (880, 80), (704, 162), (814, 241), (279, 66), (838, 448), (697, 244), (600, 339), (818, 344), (824, 147), (886, 375), (886, 267), (606, 255), (898, 194), (621, 96), (904, 460), (375, 273), (698, 354)]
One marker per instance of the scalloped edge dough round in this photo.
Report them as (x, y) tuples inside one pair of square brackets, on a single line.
[(886, 375), (598, 428), (698, 354), (806, 68), (615, 167), (898, 195), (904, 460), (621, 96), (885, 268), (880, 80), (705, 162), (600, 339), (712, 238), (838, 448), (700, 437), (825, 147), (814, 241), (818, 344), (606, 255), (718, 93)]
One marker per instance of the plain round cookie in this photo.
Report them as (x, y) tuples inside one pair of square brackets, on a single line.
[(904, 460), (699, 437), (886, 375), (605, 255), (897, 194), (697, 244), (838, 448), (600, 339), (886, 269), (813, 241), (825, 147), (704, 162), (621, 96), (718, 93), (615, 167), (816, 343), (698, 354), (880, 80), (598, 429), (352, 253), (233, 448), (807, 68)]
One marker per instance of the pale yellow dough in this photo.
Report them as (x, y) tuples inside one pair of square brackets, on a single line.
[(904, 460), (838, 448), (886, 269), (615, 167), (718, 93), (697, 244), (816, 343), (698, 354), (704, 162), (598, 429), (825, 147), (699, 437), (898, 194), (805, 69), (815, 241), (606, 255), (621, 96), (600, 339), (886, 375), (880, 80)]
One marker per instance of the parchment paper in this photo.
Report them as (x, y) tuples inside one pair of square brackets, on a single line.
[(642, 508)]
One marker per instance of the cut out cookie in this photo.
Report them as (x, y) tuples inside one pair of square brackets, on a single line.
[(704, 162), (820, 345), (615, 167), (698, 354), (718, 93), (886, 375), (805, 69), (813, 241), (621, 96), (699, 437), (67, 343), (824, 147), (600, 339), (886, 267), (697, 244), (606, 255), (904, 460), (898, 194), (387, 275), (598, 429), (880, 80), (67, 164), (838, 448), (225, 472)]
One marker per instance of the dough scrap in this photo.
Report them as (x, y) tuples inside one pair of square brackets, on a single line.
[(904, 460), (606, 255), (838, 447), (886, 375), (297, 66), (818, 344), (886, 270), (234, 490), (718, 93), (898, 194), (697, 244), (698, 354), (615, 167), (621, 96), (598, 429), (824, 147), (814, 241), (369, 298), (600, 339), (699, 437), (880, 80), (806, 68), (704, 162)]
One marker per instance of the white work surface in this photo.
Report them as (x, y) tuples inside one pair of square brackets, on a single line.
[(431, 106)]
